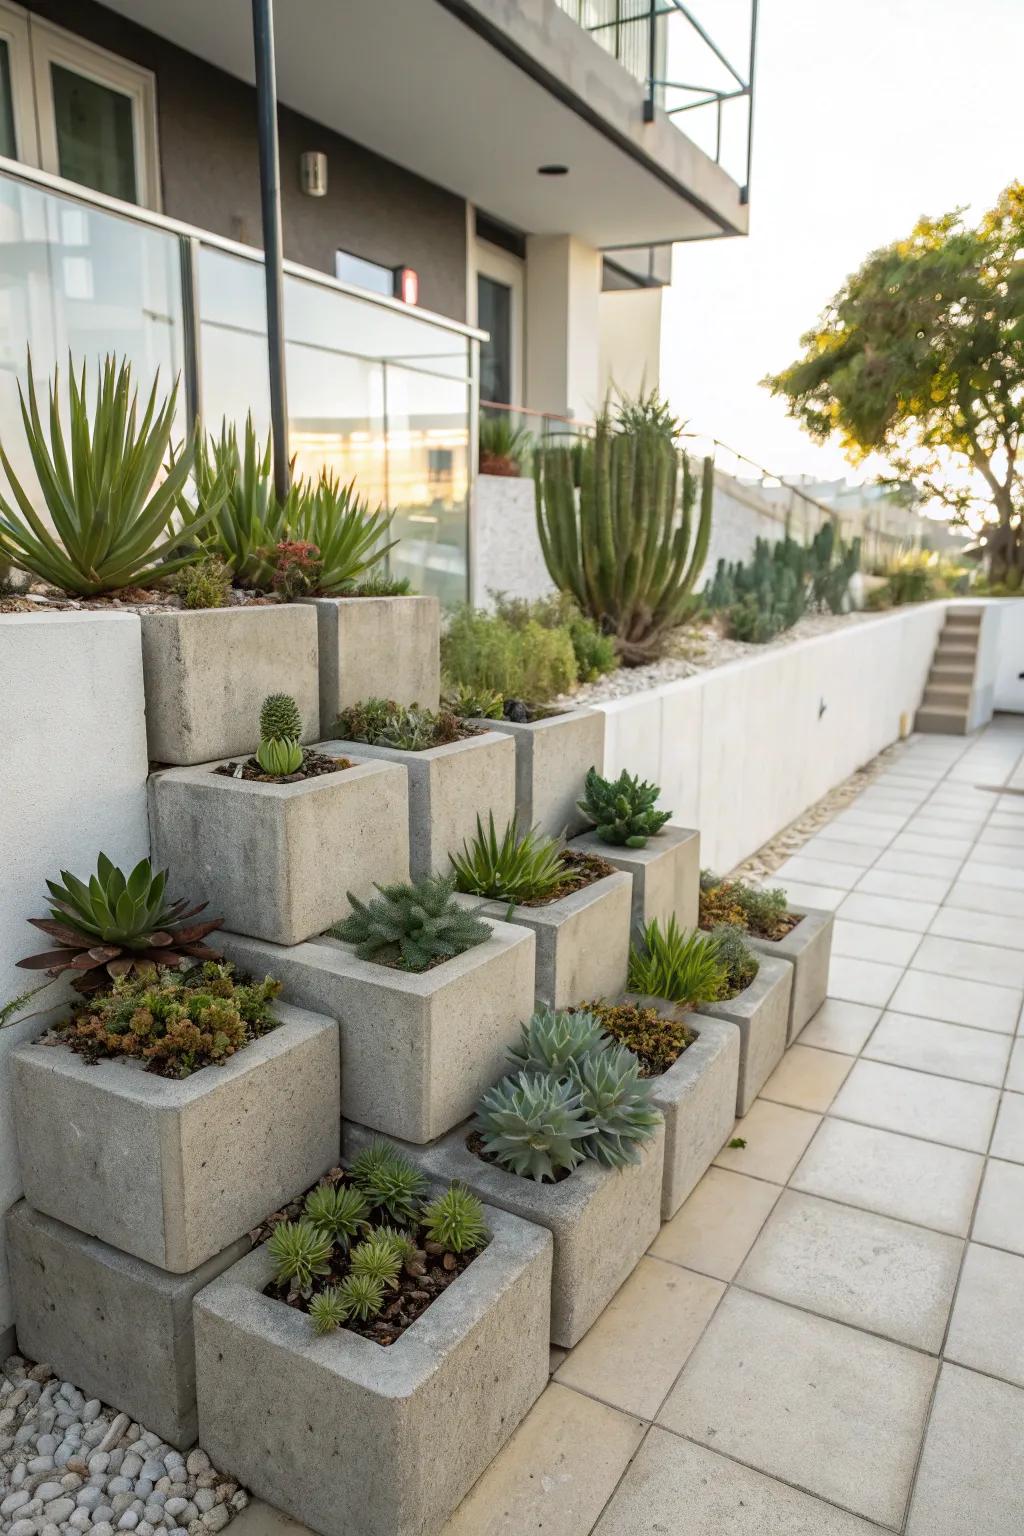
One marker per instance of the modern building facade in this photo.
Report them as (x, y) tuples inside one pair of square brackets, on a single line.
[(479, 199)]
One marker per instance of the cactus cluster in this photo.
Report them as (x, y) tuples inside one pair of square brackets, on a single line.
[(576, 1095), (622, 810), (415, 925), (279, 753), (767, 594), (625, 547)]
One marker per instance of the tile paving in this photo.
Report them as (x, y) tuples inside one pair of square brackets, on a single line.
[(828, 1338)]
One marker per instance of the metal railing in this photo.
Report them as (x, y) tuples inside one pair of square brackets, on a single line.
[(657, 40)]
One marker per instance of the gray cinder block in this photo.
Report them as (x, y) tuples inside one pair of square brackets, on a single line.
[(808, 949), (666, 874), (761, 1013), (552, 759), (377, 647)]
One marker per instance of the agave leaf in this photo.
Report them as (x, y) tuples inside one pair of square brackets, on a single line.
[(47, 958), (58, 931)]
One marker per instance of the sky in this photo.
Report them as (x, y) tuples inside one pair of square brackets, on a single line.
[(868, 113)]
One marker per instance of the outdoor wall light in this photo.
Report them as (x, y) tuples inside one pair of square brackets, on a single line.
[(552, 170), (313, 173)]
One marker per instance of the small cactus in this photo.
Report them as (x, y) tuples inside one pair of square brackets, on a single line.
[(279, 718), (622, 809)]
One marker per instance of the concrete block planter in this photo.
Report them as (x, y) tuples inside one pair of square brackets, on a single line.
[(345, 1435), (666, 874), (602, 1219), (697, 1097), (448, 787), (207, 671), (276, 860), (121, 1329), (552, 759), (173, 1171), (417, 1049), (582, 940), (808, 949), (761, 1013), (373, 647)]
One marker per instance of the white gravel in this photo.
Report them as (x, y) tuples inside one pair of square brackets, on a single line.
[(69, 1465)]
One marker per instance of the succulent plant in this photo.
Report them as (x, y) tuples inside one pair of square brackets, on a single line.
[(235, 487), (378, 1258), (617, 1100), (338, 1211), (389, 1181), (684, 968), (118, 925), (296, 566), (456, 1220), (623, 809), (516, 868), (347, 536), (656, 1038), (279, 758), (533, 1125), (362, 1296), (421, 922), (328, 1309), (280, 718), (300, 1252), (406, 728), (552, 1040), (206, 584), (474, 703), (734, 902), (739, 961)]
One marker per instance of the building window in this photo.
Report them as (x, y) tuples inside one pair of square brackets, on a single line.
[(364, 274), (494, 315), (96, 113)]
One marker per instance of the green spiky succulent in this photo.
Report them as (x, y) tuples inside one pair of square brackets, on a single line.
[(279, 758), (404, 727), (118, 925), (683, 968), (378, 1258), (338, 1211), (533, 1125), (471, 703), (514, 868), (362, 1296), (419, 924), (456, 1220), (622, 810), (617, 1100), (280, 718), (300, 1252), (552, 1040), (389, 1181), (328, 1309)]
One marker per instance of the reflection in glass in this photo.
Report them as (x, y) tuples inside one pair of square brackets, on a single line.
[(95, 137), (8, 143), (494, 315)]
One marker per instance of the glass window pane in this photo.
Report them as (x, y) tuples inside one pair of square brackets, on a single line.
[(428, 460), (494, 314), (364, 274), (95, 138), (8, 145)]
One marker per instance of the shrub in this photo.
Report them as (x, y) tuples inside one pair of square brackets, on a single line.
[(414, 926), (484, 651), (622, 809), (741, 964), (656, 1040), (514, 869), (685, 969), (733, 902), (176, 1022), (108, 501), (595, 652), (204, 584), (118, 925), (383, 723), (532, 1124)]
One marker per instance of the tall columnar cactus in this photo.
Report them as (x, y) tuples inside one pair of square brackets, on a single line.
[(625, 548)]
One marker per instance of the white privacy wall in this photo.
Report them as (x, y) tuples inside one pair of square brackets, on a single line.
[(742, 750), (72, 782)]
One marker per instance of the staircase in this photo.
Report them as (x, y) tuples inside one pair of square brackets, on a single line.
[(948, 700)]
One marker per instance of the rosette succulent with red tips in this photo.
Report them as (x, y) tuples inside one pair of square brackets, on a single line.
[(117, 925)]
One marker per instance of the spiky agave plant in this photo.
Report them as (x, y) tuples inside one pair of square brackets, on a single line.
[(683, 968), (622, 809), (109, 508), (513, 868), (552, 1040), (346, 533), (117, 925), (247, 520), (617, 1100), (533, 1125)]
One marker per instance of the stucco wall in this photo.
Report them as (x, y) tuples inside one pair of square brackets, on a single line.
[(207, 119), (1009, 669), (505, 550), (742, 750), (72, 782)]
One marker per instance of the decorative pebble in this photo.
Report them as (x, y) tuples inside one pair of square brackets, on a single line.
[(197, 1461), (128, 1521), (59, 1509), (99, 1461), (102, 1528), (143, 1487), (217, 1518), (91, 1410), (14, 1501), (24, 1528), (49, 1490), (131, 1466), (81, 1519), (103, 1514), (204, 1499)]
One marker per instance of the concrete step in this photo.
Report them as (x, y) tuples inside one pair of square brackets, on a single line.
[(951, 672), (954, 651), (947, 695), (964, 620), (943, 722)]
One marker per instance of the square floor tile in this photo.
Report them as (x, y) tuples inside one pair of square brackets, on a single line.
[(987, 1330), (939, 824), (856, 832), (993, 853), (555, 1474), (824, 847), (999, 1219), (820, 871), (918, 1104), (1008, 1139), (807, 1079), (1015, 1075), (970, 960), (776, 1137), (862, 981), (713, 1230), (944, 847), (1000, 837), (982, 898), (973, 1003), (801, 894), (890, 911), (887, 882), (950, 1050), (972, 1470), (856, 1267), (879, 821), (981, 872), (1007, 932), (840, 1026), (636, 1349), (901, 862), (827, 1407), (870, 941), (674, 1486), (898, 1176)]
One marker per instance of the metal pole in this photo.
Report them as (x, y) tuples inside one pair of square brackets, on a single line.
[(652, 60), (745, 189), (270, 205)]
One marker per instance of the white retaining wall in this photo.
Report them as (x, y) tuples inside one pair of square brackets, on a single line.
[(72, 782), (742, 750)]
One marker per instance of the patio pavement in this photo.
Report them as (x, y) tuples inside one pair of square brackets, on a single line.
[(828, 1338)]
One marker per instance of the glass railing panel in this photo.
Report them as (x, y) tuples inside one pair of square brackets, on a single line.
[(428, 480)]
